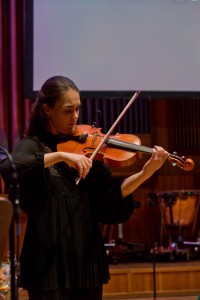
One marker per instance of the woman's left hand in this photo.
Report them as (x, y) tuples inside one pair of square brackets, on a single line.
[(159, 156)]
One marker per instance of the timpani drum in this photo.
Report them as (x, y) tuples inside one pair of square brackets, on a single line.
[(179, 211), (180, 207)]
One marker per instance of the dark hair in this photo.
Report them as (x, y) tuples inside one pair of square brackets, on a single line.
[(50, 92)]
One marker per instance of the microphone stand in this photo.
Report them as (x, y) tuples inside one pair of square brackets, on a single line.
[(14, 198), (152, 202)]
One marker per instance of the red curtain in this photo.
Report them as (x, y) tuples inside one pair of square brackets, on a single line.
[(12, 41), (14, 109)]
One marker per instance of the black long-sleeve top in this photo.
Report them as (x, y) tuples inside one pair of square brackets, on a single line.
[(63, 246)]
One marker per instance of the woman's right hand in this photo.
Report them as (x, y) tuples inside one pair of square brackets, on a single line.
[(79, 162)]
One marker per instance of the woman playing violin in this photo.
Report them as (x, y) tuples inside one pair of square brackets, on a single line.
[(63, 254)]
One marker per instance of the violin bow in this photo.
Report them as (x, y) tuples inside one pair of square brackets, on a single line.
[(136, 94)]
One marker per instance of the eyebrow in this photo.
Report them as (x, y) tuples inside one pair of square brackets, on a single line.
[(71, 106)]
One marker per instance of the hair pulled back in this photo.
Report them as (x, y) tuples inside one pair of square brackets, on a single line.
[(50, 92)]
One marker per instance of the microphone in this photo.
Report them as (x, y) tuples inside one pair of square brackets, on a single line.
[(2, 155)]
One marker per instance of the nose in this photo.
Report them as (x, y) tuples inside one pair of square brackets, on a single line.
[(75, 114)]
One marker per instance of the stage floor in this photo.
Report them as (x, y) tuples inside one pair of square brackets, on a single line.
[(148, 281), (162, 298), (144, 280)]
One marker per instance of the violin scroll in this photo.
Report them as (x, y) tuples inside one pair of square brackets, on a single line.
[(186, 164)]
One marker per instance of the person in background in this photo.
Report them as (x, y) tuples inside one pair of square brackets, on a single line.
[(63, 254)]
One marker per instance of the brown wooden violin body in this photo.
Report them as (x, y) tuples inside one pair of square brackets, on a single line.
[(119, 150), (89, 139)]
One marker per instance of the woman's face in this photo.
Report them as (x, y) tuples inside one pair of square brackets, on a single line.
[(62, 118)]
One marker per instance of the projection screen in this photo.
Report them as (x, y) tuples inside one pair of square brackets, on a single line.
[(115, 46)]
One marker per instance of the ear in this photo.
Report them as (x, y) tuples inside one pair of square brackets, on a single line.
[(46, 109)]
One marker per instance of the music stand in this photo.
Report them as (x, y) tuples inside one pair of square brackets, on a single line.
[(6, 214)]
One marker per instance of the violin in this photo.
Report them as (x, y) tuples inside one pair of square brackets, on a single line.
[(119, 150)]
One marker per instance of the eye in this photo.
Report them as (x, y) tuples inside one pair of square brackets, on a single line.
[(68, 111), (71, 111)]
